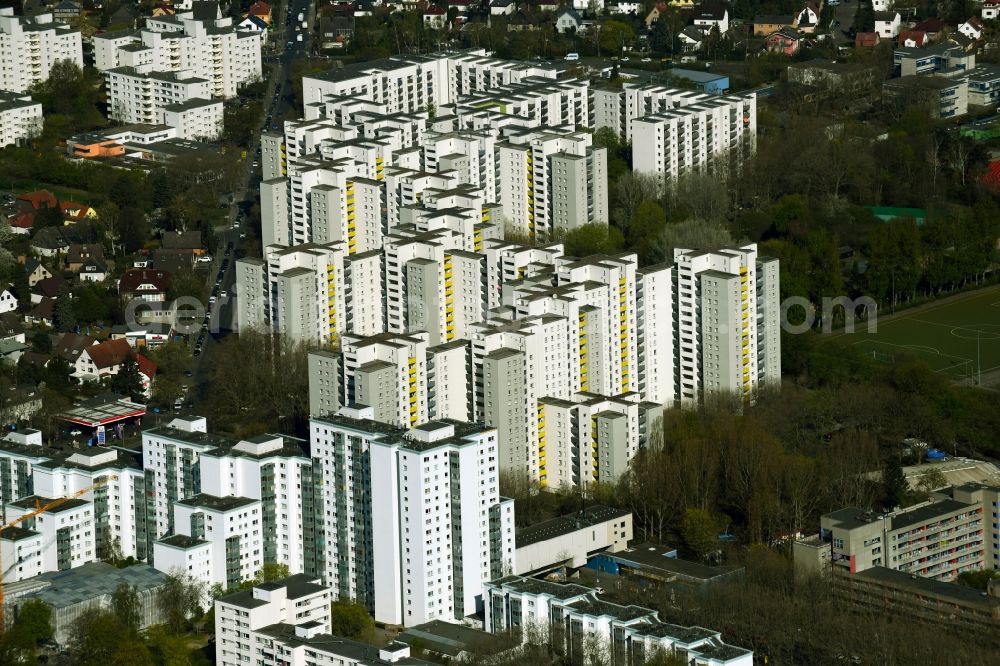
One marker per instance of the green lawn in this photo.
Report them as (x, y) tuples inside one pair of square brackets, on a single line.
[(943, 334)]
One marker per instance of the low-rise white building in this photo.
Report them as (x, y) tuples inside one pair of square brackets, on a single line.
[(570, 540), (573, 618), (20, 118), (287, 623)]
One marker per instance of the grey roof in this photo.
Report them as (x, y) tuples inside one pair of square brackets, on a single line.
[(215, 503), (653, 556), (182, 541), (352, 651), (446, 638), (92, 580), (929, 512), (556, 527)]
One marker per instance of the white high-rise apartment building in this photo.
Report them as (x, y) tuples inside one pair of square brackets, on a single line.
[(591, 438), (30, 45), (727, 318), (551, 179), (20, 118), (298, 291), (117, 496), (440, 527), (429, 525), (210, 46), (178, 99), (67, 531), (433, 284), (388, 373), (217, 540), (694, 137), (170, 455)]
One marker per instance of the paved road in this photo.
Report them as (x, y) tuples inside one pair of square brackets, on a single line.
[(844, 14), (281, 53)]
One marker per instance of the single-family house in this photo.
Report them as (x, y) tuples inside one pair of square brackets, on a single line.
[(887, 24), (70, 346), (934, 27), (767, 24), (78, 253), (881, 5), (654, 14), (502, 7), (913, 39), (22, 222), (807, 19), (261, 10), (521, 22), (548, 5), (36, 271), (711, 15), (32, 201), (786, 40), (101, 360), (990, 10), (867, 40), (47, 288), (11, 327), (147, 370), (434, 17), (255, 25), (691, 39), (51, 241), (972, 28), (93, 269), (163, 10), (43, 313), (568, 20), (66, 11), (147, 284), (74, 212), (8, 301), (624, 7)]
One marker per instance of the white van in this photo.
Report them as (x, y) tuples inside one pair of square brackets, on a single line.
[(572, 56)]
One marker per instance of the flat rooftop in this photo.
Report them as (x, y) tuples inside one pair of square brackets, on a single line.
[(562, 525), (88, 582), (217, 503), (103, 410)]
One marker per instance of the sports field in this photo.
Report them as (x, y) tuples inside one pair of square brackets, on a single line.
[(959, 337)]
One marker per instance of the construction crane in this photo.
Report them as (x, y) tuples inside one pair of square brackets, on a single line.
[(38, 510)]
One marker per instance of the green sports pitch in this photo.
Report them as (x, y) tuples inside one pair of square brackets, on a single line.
[(959, 337)]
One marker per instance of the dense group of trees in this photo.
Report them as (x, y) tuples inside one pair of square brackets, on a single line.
[(258, 382)]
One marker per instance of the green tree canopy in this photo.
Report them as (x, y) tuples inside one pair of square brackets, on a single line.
[(351, 620), (126, 606), (593, 238), (128, 379)]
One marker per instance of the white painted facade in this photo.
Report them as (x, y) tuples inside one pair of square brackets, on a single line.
[(31, 45)]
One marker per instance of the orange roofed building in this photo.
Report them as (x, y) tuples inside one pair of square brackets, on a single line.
[(261, 10), (99, 147)]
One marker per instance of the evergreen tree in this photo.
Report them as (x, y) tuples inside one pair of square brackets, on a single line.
[(128, 379), (894, 485), (63, 317)]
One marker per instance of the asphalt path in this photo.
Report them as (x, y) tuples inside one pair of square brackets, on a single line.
[(280, 53)]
